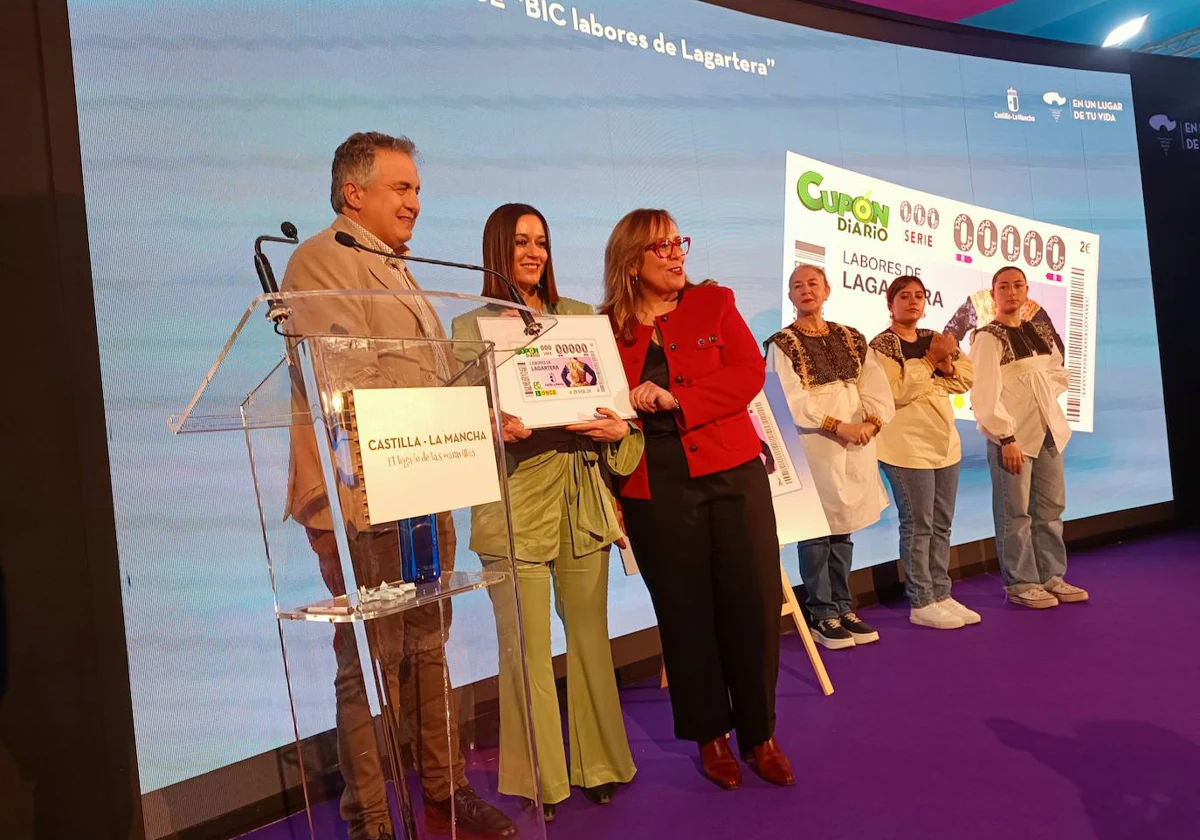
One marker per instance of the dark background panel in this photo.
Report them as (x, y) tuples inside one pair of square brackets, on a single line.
[(67, 762), (1170, 185)]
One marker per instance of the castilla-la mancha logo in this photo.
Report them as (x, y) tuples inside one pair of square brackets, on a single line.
[(1164, 126)]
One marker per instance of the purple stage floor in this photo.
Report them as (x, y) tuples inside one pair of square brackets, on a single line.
[(1075, 722)]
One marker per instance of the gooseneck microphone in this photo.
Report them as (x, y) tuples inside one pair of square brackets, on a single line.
[(266, 277), (532, 327)]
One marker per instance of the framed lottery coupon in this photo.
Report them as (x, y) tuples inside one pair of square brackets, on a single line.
[(563, 376)]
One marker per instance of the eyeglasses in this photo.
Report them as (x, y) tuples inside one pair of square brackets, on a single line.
[(664, 247)]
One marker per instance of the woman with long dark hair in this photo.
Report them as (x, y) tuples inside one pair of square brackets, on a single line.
[(564, 521)]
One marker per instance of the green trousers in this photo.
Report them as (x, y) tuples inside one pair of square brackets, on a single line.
[(599, 746)]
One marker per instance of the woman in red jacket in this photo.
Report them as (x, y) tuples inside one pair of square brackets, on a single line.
[(698, 508)]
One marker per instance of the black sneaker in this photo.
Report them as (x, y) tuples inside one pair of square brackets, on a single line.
[(862, 632), (830, 633)]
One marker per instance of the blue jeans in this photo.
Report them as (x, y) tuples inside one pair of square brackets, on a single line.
[(1028, 509), (925, 503), (825, 568)]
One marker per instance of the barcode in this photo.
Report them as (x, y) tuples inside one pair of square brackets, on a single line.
[(525, 384), (1078, 326), (784, 477), (808, 253)]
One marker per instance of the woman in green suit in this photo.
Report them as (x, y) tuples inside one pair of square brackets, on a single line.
[(564, 521)]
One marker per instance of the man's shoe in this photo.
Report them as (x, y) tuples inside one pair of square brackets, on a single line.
[(862, 632), (474, 819), (769, 762), (829, 633), (356, 830), (720, 767)]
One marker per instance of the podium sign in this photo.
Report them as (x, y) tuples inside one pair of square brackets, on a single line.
[(425, 450)]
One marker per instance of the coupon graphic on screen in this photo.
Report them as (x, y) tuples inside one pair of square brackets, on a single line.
[(864, 232), (553, 370)]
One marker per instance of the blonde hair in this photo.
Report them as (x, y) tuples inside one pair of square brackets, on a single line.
[(810, 266), (623, 256)]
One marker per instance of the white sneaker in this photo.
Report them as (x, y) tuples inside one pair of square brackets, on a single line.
[(968, 615), (1034, 597), (933, 615), (1066, 593)]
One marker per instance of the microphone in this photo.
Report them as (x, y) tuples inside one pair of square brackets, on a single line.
[(266, 277), (532, 327)]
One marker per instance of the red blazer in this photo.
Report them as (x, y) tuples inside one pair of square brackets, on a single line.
[(716, 369)]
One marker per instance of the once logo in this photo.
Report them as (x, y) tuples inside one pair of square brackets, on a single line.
[(989, 239), (1056, 253), (1010, 243), (1033, 249), (964, 232)]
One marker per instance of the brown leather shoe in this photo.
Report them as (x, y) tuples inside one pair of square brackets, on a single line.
[(720, 767), (769, 762), (474, 819)]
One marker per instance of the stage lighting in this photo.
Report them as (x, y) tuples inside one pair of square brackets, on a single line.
[(1124, 32)]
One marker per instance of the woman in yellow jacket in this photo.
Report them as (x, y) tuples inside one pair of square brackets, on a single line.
[(920, 451)]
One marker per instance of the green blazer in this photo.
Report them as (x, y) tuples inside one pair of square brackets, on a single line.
[(550, 485)]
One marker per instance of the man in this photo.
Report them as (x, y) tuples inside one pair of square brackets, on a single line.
[(1019, 375), (375, 192)]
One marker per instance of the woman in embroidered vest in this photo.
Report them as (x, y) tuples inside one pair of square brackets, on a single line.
[(1019, 375), (840, 400), (564, 520), (698, 507), (920, 451)]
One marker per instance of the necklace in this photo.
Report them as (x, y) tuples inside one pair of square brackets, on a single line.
[(813, 332)]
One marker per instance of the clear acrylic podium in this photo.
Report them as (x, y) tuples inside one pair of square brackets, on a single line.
[(395, 691)]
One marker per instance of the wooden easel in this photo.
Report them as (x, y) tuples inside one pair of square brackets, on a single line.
[(790, 607)]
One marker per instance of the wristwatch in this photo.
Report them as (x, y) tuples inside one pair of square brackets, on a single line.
[(1005, 441)]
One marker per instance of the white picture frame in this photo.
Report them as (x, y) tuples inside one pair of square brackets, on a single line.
[(561, 377)]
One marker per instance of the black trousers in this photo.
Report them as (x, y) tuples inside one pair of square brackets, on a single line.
[(707, 550)]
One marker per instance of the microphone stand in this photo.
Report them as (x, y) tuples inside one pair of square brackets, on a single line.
[(276, 313), (532, 327)]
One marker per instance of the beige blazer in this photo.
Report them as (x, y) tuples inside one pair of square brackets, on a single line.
[(320, 263)]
